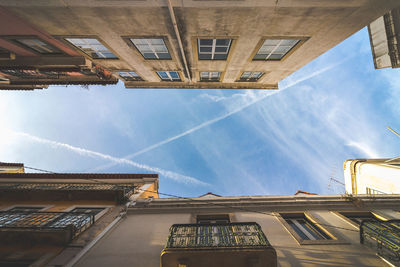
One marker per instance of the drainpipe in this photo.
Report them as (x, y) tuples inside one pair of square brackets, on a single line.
[(178, 37)]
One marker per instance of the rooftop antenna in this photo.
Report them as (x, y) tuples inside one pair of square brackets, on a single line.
[(396, 133)]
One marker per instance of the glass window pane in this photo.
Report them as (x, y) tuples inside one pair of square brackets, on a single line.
[(160, 48), (143, 48), (246, 74), (208, 42), (272, 42), (149, 56), (215, 74), (289, 42), (220, 56), (223, 42), (204, 74), (134, 74), (221, 49), (275, 56), (205, 49), (156, 41), (163, 74), (260, 56), (204, 56), (164, 55), (174, 74)]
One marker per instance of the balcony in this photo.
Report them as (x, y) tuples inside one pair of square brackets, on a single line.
[(228, 244), (384, 237), (58, 228)]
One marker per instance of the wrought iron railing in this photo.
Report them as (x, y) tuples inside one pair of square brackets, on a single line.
[(77, 221), (67, 186), (384, 236), (232, 235)]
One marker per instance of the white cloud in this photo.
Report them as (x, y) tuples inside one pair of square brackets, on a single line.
[(175, 176)]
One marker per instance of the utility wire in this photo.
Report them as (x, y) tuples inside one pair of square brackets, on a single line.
[(202, 200)]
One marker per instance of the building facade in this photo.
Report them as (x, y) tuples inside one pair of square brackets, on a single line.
[(246, 44), (384, 34), (298, 230), (372, 176), (49, 219)]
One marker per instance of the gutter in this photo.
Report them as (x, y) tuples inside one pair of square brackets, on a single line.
[(178, 37)]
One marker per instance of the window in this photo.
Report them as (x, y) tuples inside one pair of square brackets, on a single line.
[(210, 76), (213, 49), (171, 76), (130, 76), (25, 209), (275, 49), (214, 218), (250, 76), (38, 46), (152, 48), (356, 218), (93, 211), (305, 228), (92, 47)]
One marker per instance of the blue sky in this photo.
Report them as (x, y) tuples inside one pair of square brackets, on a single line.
[(230, 142)]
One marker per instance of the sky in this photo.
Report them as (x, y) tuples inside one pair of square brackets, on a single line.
[(229, 142)]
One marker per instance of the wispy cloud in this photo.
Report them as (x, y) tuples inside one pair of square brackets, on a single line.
[(248, 99), (364, 148), (85, 152)]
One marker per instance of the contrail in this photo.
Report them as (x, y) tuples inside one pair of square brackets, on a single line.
[(230, 113), (175, 176)]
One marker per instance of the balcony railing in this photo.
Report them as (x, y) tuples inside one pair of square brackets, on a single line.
[(75, 222), (236, 235), (212, 245), (384, 236)]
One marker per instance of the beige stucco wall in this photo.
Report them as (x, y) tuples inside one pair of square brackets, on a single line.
[(374, 174), (139, 239), (322, 23)]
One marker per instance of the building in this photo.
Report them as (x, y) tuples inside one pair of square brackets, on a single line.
[(247, 44), (253, 231), (11, 167), (32, 59), (384, 34), (372, 176), (49, 219)]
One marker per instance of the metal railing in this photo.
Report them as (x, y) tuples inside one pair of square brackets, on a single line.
[(232, 235), (37, 220), (384, 236), (67, 186)]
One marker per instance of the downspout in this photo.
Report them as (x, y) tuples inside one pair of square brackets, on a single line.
[(178, 37), (86, 248), (354, 175)]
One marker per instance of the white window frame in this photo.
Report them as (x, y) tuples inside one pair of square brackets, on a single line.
[(209, 77), (152, 48), (170, 78), (97, 52), (213, 47), (275, 48), (135, 77), (251, 76)]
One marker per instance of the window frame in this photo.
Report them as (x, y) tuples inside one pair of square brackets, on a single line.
[(13, 39), (250, 80), (335, 238), (213, 218), (65, 41), (105, 208), (43, 207), (302, 40), (340, 214), (220, 79), (168, 71), (128, 41), (196, 48), (140, 79)]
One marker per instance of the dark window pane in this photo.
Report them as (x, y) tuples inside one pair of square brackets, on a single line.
[(220, 56), (260, 56), (224, 42), (204, 56), (275, 56), (205, 49), (206, 42), (221, 49), (174, 74), (149, 55), (164, 56)]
